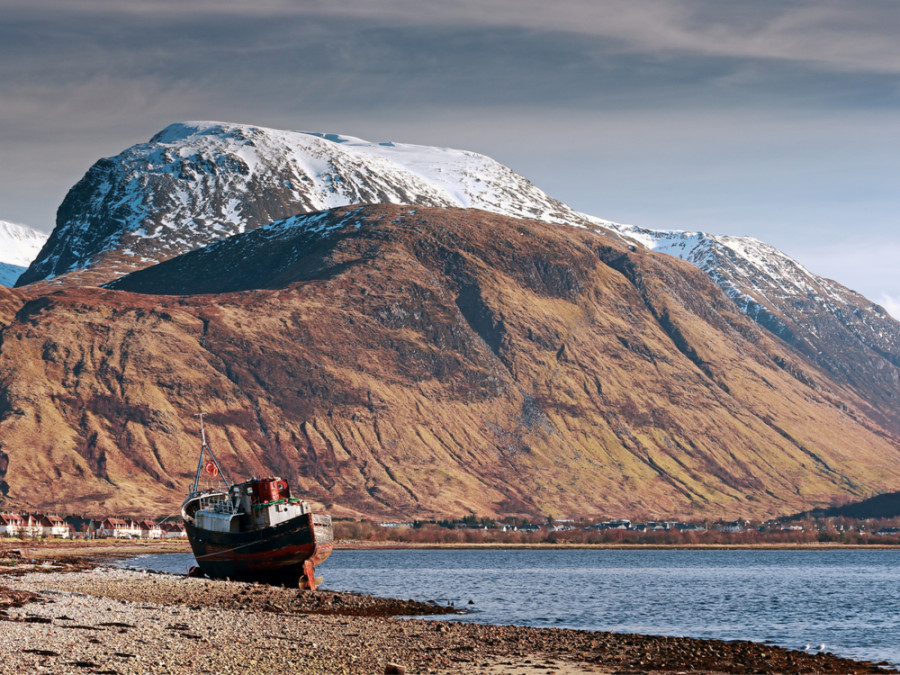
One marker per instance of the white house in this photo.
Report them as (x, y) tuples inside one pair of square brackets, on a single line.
[(31, 527), (11, 524), (54, 526), (119, 528), (150, 530)]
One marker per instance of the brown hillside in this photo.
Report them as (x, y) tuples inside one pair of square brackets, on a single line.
[(10, 301), (422, 362)]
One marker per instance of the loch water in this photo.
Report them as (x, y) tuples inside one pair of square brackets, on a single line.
[(846, 600)]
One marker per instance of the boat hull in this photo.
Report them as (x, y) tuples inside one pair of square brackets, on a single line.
[(272, 555)]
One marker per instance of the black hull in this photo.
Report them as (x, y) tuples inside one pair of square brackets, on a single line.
[(273, 555)]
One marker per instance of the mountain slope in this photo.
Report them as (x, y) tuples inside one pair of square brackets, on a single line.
[(19, 245), (885, 505), (856, 341), (409, 361)]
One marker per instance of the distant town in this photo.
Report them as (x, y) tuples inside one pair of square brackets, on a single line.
[(41, 526), (472, 529)]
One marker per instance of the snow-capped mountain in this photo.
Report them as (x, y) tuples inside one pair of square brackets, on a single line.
[(19, 245), (194, 183), (326, 334)]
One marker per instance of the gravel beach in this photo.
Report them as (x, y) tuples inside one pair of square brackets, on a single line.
[(66, 615)]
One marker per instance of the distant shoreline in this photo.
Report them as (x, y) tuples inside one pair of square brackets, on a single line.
[(823, 546), (97, 550)]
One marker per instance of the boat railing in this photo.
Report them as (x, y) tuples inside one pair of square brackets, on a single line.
[(216, 501)]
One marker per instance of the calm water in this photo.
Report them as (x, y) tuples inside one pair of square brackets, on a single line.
[(847, 600)]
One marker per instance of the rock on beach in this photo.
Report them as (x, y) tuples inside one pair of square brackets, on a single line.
[(72, 618)]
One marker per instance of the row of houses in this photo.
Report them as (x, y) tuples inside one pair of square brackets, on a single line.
[(31, 526)]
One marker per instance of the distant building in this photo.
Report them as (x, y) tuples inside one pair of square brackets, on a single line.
[(31, 527), (620, 524), (119, 528), (82, 528), (172, 530), (54, 526), (11, 524), (150, 530)]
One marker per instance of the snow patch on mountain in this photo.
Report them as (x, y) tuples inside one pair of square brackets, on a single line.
[(19, 245), (749, 263)]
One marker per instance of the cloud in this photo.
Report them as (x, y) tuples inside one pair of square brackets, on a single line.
[(841, 34), (891, 304), (860, 259)]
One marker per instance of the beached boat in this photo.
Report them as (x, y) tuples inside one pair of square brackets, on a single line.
[(255, 530)]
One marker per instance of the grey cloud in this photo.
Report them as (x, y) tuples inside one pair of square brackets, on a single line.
[(867, 264), (841, 34), (730, 117)]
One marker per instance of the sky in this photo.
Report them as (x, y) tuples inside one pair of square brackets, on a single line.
[(778, 120)]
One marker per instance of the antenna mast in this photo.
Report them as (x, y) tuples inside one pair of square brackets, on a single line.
[(202, 429), (204, 448)]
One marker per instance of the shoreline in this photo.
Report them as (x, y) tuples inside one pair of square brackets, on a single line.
[(69, 613), (114, 549), (827, 546)]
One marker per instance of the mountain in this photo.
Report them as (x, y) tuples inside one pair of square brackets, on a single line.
[(485, 347), (855, 340), (194, 183), (397, 361), (19, 245)]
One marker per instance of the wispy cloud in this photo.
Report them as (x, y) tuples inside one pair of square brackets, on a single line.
[(835, 33), (863, 261), (844, 34), (891, 304)]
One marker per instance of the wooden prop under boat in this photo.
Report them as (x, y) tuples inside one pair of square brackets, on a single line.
[(253, 531)]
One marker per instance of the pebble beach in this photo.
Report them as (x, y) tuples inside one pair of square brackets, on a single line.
[(75, 614)]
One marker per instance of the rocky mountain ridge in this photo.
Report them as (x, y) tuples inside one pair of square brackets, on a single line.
[(855, 340)]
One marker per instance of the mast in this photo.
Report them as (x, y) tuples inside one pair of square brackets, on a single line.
[(204, 448)]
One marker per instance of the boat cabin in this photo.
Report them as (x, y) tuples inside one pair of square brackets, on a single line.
[(256, 504)]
